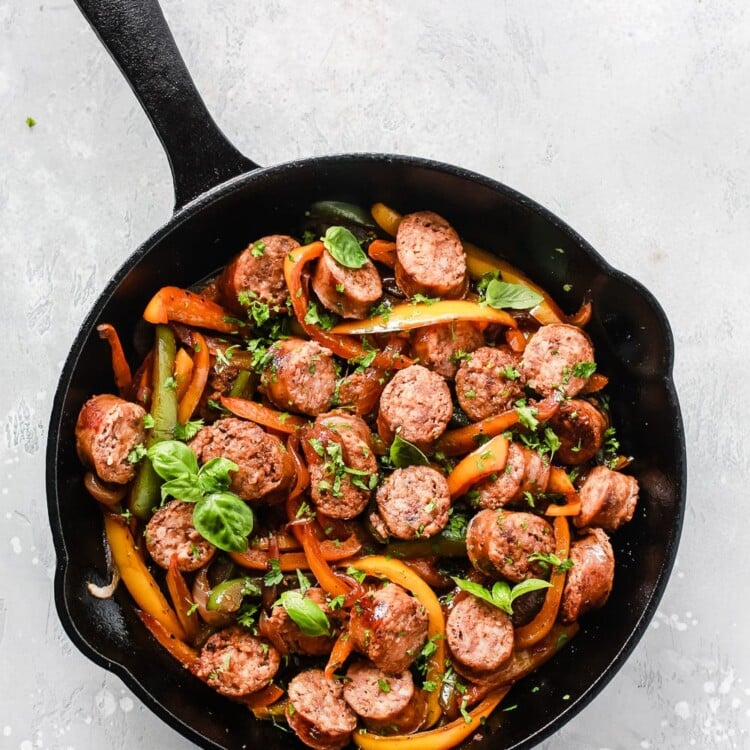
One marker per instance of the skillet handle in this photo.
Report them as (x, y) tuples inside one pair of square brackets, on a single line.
[(137, 36)]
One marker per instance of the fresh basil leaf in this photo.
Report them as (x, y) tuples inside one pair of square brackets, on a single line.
[(309, 617), (344, 248), (502, 596), (213, 476), (224, 520), (172, 459), (527, 586), (181, 488), (503, 296), (403, 454), (474, 589)]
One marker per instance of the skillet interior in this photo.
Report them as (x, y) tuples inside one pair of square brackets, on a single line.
[(633, 347)]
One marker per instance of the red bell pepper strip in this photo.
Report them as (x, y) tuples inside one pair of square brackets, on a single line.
[(182, 601), (184, 654), (483, 461), (171, 303), (260, 414), (263, 698), (300, 467), (120, 366), (340, 652)]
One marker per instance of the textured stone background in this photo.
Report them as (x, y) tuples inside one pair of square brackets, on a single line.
[(630, 120)]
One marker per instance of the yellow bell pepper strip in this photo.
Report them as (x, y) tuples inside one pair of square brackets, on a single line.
[(408, 316), (559, 483), (386, 218), (182, 601), (395, 571), (144, 494), (183, 369), (480, 463), (263, 698), (342, 346), (443, 738), (136, 577), (340, 652), (180, 650), (198, 379), (383, 252), (275, 712), (530, 634), (255, 412), (171, 303), (120, 366)]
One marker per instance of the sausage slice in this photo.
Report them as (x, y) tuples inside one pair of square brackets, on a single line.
[(440, 347), (608, 499), (360, 390), (525, 471), (349, 292), (580, 427), (171, 532), (488, 382)]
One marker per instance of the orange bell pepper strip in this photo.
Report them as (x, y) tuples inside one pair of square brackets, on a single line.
[(530, 634), (559, 483), (595, 383), (182, 601), (300, 467), (408, 316), (395, 571), (136, 576), (383, 252), (201, 368), (183, 369), (120, 366), (180, 650), (258, 559), (260, 414), (480, 463), (386, 218), (340, 652), (171, 303), (342, 346), (263, 698), (515, 340)]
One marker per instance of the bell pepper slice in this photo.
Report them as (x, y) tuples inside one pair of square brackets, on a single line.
[(183, 369), (263, 698), (595, 383), (515, 340), (182, 601), (395, 571), (136, 577), (255, 412), (533, 632), (386, 218), (408, 316), (120, 366), (340, 652), (480, 463), (300, 468), (559, 483), (383, 251), (180, 650), (201, 368), (171, 303)]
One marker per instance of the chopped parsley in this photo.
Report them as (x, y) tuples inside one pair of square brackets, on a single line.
[(274, 575)]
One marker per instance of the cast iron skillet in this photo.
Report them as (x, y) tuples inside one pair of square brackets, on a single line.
[(223, 201)]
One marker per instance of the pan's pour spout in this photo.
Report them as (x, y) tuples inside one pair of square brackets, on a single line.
[(137, 36)]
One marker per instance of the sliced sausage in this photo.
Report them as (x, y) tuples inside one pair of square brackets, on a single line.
[(430, 258), (608, 499), (549, 360), (235, 663), (266, 470), (259, 272), (340, 477), (488, 382), (317, 711), (360, 390), (389, 627), (301, 377), (108, 428), (500, 543), (525, 471), (591, 578), (287, 636), (441, 347), (170, 532), (349, 292), (418, 404), (479, 636), (414, 502), (384, 701), (580, 427)]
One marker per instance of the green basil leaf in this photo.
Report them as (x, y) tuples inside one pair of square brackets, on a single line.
[(172, 459), (344, 248), (309, 617), (474, 589), (182, 488), (224, 520), (501, 596), (213, 476), (403, 454), (502, 296), (527, 586)]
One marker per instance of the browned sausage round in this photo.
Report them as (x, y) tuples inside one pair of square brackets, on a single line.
[(525, 471), (580, 427), (340, 478), (108, 428), (385, 702), (608, 499), (430, 258), (258, 270), (550, 358), (301, 377), (235, 663), (287, 636), (360, 390), (317, 711), (500, 543), (349, 292), (488, 382), (414, 502), (418, 402), (590, 580), (479, 636), (441, 347), (389, 627), (266, 470), (171, 532)]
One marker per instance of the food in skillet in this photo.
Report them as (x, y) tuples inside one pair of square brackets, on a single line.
[(374, 475)]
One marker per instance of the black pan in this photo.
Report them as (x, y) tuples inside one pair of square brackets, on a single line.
[(224, 200)]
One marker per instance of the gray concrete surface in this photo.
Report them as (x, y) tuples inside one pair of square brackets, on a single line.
[(630, 120)]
